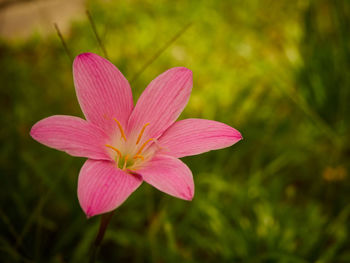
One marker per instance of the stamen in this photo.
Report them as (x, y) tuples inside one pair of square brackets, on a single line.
[(142, 130), (125, 161), (139, 156), (115, 149), (143, 146), (120, 128)]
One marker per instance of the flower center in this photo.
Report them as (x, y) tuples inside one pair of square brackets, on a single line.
[(127, 161)]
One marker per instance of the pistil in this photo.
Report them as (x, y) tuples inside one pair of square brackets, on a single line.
[(125, 161)]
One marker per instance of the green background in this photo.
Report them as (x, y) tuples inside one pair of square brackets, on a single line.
[(278, 71)]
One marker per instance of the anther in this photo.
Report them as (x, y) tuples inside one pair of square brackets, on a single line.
[(143, 146), (139, 157), (120, 128), (142, 131), (125, 161), (115, 149)]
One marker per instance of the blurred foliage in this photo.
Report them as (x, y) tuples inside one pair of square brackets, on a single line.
[(278, 71)]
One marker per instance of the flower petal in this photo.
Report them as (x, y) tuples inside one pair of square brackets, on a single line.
[(102, 91), (195, 136), (102, 187), (73, 135), (169, 175), (161, 103)]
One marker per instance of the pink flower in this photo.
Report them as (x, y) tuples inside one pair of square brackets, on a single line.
[(126, 145)]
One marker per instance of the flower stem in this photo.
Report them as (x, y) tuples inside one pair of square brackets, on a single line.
[(105, 219)]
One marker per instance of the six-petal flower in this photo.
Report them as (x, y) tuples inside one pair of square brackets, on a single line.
[(126, 145)]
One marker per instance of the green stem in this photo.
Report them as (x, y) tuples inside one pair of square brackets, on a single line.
[(63, 42), (94, 29), (160, 51), (105, 219)]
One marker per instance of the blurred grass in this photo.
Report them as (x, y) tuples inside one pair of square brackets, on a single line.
[(278, 71)]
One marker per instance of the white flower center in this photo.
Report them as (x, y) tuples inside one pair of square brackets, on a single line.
[(127, 156)]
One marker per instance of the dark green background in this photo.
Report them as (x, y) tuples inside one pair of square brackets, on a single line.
[(278, 71)]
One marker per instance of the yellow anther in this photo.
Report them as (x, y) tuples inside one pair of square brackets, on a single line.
[(139, 157), (125, 161), (115, 149), (142, 130), (120, 128), (143, 146)]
